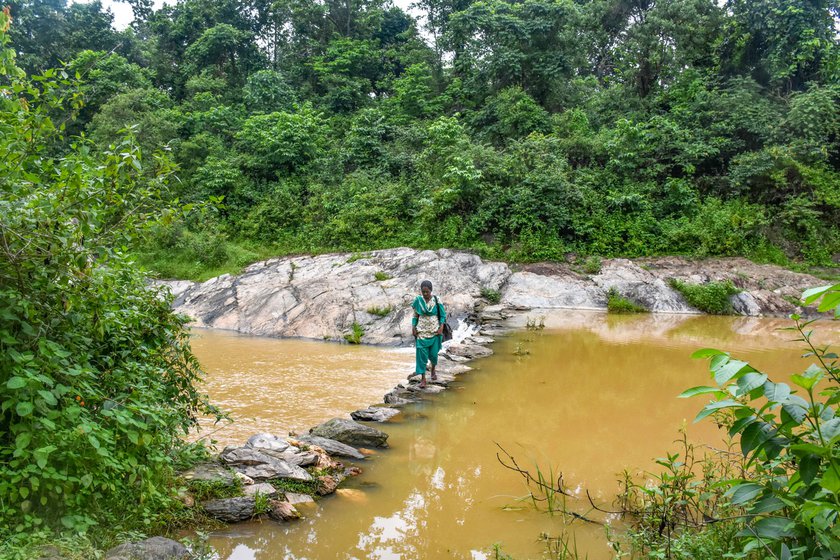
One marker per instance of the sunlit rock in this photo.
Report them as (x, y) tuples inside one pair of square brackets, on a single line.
[(374, 414), (332, 446), (351, 433)]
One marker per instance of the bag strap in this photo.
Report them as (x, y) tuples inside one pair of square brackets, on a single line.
[(437, 308)]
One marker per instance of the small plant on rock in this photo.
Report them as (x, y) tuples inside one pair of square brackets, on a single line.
[(355, 335), (382, 276), (616, 303), (491, 295), (592, 264), (380, 311), (711, 298)]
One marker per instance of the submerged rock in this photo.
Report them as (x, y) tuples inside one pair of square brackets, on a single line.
[(374, 414), (231, 510), (351, 433), (155, 548)]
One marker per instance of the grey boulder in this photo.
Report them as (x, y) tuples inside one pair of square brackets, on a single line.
[(155, 548), (268, 441), (209, 472), (261, 466), (332, 447), (231, 510), (374, 414), (351, 433)]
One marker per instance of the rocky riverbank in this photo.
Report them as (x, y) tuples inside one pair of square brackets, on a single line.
[(366, 297), (282, 477), (332, 296)]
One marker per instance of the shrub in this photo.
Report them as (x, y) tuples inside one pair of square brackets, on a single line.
[(382, 276), (592, 265), (616, 303), (491, 295), (712, 298), (97, 379), (787, 493)]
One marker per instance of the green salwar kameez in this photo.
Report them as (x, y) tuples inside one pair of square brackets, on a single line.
[(428, 342)]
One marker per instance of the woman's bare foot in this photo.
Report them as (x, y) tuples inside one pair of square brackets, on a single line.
[(423, 382), (434, 375)]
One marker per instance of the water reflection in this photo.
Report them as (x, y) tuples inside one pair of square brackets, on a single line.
[(590, 396)]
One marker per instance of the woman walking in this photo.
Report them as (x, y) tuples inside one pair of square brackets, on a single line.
[(427, 328)]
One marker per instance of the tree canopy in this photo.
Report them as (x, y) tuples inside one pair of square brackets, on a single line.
[(524, 129)]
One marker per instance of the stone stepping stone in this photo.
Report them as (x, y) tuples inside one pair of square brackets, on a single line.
[(374, 414)]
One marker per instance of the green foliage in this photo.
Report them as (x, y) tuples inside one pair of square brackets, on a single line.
[(492, 296), (592, 265), (790, 486), (280, 142), (670, 509), (203, 490), (97, 380), (381, 276), (299, 486), (356, 333), (526, 131), (380, 311), (618, 304), (712, 297)]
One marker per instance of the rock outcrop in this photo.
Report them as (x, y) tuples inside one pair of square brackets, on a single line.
[(323, 297)]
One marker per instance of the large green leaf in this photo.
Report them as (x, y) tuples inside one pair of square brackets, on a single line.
[(830, 429), (745, 492), (750, 381), (700, 391), (754, 435), (16, 383), (776, 392), (831, 480), (720, 405), (773, 528), (767, 504), (809, 466), (707, 353), (730, 370), (24, 408), (796, 407)]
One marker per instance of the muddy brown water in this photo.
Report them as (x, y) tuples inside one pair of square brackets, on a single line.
[(589, 396)]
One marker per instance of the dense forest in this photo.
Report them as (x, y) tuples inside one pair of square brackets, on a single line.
[(522, 129)]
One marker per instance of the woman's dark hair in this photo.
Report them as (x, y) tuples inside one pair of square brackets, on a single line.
[(425, 284)]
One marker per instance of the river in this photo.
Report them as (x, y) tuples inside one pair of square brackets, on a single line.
[(589, 396)]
